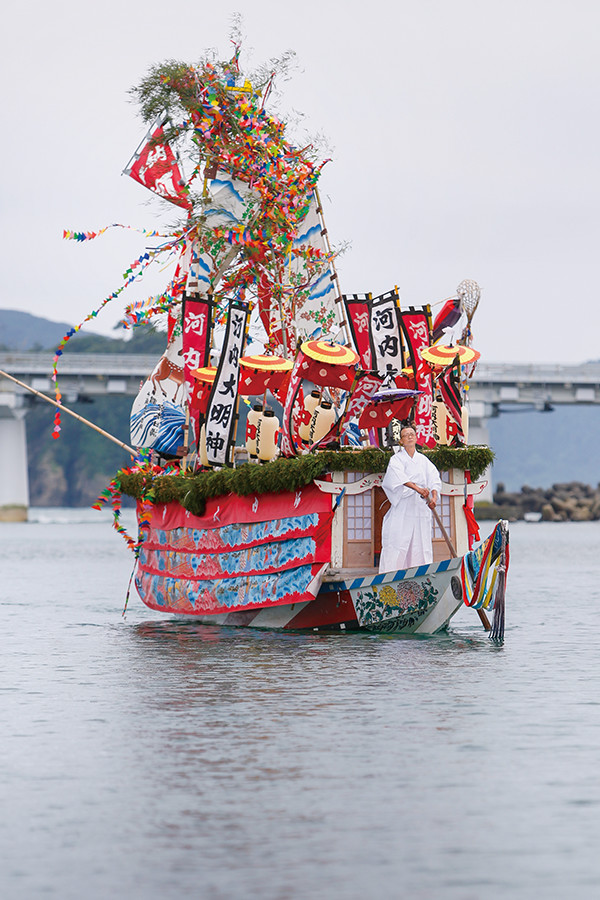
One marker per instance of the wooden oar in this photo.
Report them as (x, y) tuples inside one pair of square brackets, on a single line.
[(60, 406), (480, 612)]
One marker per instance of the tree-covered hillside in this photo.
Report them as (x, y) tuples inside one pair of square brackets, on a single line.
[(73, 470), (23, 331)]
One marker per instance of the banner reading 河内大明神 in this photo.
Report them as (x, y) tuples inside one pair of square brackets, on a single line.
[(222, 404)]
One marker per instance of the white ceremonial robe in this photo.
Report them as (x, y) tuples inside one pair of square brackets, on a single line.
[(407, 530)]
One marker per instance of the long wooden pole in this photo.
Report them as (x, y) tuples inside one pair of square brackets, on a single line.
[(480, 612), (75, 415), (445, 535)]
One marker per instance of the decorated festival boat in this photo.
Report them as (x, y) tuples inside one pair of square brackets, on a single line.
[(261, 437)]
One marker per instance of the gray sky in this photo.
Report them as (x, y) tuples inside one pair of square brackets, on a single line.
[(464, 138)]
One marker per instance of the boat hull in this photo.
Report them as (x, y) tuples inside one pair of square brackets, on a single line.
[(278, 569), (421, 600)]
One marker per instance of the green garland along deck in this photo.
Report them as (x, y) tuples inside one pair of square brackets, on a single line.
[(193, 490)]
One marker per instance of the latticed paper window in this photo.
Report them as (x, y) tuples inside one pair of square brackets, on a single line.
[(358, 512), (444, 512)]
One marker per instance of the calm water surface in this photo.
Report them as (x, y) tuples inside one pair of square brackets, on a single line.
[(147, 758)]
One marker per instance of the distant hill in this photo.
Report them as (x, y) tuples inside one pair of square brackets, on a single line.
[(143, 340), (24, 331)]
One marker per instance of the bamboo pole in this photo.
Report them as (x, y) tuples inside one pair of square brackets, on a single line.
[(75, 415), (445, 535)]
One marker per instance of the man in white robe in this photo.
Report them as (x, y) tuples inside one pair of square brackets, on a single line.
[(412, 485)]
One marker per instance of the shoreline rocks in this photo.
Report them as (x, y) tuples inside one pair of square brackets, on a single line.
[(566, 502)]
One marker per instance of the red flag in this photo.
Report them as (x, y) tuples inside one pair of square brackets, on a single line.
[(416, 324), (156, 167), (264, 291), (472, 526), (365, 386), (358, 314), (290, 423), (196, 333)]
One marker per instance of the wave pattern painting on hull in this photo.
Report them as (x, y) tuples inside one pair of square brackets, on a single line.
[(276, 555), (233, 558), (216, 595)]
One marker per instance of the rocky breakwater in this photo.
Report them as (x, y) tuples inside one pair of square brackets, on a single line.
[(569, 502)]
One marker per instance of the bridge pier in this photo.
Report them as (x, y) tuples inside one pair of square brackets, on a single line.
[(14, 480)]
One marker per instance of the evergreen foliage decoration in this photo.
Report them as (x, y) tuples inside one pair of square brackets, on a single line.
[(475, 459), (283, 475)]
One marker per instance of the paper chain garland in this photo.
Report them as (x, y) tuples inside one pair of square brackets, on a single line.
[(143, 467), (234, 134), (130, 275), (69, 235)]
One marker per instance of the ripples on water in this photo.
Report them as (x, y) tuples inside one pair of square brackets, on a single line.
[(149, 758)]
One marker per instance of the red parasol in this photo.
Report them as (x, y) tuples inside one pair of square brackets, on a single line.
[(386, 405), (201, 392), (206, 374), (440, 355), (257, 373), (328, 364)]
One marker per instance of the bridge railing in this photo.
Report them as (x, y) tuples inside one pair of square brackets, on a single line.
[(492, 383), (538, 373), (23, 362)]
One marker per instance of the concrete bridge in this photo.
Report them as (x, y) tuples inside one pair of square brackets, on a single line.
[(503, 387), (495, 388), (81, 375)]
